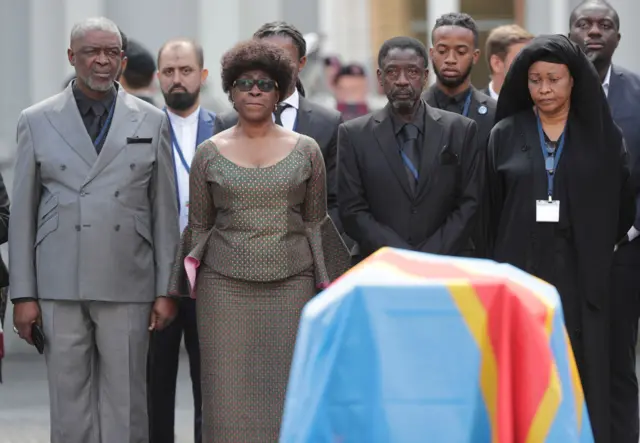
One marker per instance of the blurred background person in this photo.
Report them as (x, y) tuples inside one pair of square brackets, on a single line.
[(332, 65), (351, 88), (503, 44), (138, 72)]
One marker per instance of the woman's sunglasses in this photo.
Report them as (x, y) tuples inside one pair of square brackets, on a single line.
[(247, 84)]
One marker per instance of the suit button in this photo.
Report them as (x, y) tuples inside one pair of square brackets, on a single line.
[(117, 193), (77, 227), (414, 211), (63, 167), (82, 193), (132, 166), (116, 227)]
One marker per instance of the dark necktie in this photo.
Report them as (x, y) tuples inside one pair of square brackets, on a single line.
[(96, 111), (411, 152), (278, 112)]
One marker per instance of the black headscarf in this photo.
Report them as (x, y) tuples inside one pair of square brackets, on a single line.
[(591, 157)]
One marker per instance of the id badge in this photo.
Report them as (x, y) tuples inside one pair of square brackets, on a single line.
[(547, 211)]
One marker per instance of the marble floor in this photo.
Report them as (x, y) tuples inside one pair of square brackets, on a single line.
[(24, 401)]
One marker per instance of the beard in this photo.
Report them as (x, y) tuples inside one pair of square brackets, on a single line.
[(96, 85), (453, 82), (181, 101), (599, 59)]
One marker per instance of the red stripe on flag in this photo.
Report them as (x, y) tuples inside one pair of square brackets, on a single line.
[(522, 354), (419, 268)]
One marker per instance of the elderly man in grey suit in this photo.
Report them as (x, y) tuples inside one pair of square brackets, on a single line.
[(92, 238)]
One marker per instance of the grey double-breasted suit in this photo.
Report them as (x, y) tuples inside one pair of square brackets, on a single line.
[(93, 237)]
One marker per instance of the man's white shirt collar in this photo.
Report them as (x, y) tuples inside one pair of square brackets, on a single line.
[(607, 81), (184, 121), (293, 100), (493, 94)]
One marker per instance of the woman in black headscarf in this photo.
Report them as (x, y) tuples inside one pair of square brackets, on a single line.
[(560, 196)]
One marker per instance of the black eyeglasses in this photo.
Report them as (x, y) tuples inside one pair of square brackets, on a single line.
[(247, 84)]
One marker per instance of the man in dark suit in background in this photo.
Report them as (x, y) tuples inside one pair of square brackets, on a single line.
[(138, 71), (594, 26), (454, 53), (410, 175), (181, 74), (297, 113)]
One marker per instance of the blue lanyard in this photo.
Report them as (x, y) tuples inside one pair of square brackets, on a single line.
[(550, 161), (467, 104), (410, 165), (176, 146), (107, 122)]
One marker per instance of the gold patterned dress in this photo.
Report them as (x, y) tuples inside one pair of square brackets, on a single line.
[(255, 236)]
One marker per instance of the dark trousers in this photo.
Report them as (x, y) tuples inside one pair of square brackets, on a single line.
[(625, 298), (162, 374)]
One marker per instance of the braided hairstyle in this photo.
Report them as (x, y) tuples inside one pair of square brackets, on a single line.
[(284, 29)]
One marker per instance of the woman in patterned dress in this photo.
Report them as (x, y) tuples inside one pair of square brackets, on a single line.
[(257, 220)]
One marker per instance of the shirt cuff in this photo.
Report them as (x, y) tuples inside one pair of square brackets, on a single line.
[(15, 301), (633, 233)]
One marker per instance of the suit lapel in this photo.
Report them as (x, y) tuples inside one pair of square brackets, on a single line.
[(126, 119), (304, 119), (66, 120), (205, 127), (431, 148), (428, 97), (384, 135), (616, 92)]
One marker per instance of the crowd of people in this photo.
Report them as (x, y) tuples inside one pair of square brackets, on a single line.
[(133, 226)]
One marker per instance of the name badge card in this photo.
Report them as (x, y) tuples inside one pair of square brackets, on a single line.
[(547, 211)]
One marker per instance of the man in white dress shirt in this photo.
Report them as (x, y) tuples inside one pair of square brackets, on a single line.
[(181, 74)]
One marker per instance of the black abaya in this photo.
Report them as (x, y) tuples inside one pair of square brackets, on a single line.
[(596, 207)]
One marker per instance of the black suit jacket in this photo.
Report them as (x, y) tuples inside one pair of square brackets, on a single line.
[(376, 204), (478, 99), (319, 123), (4, 230), (624, 101), (485, 124)]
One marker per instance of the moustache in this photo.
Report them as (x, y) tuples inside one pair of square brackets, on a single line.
[(403, 93), (179, 89)]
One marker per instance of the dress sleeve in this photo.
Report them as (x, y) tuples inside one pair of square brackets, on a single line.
[(330, 254), (202, 215)]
